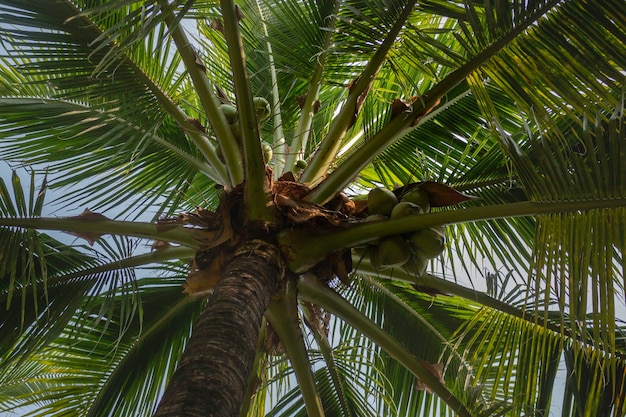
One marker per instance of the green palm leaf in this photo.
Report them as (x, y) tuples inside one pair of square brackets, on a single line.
[(119, 102), (80, 136), (160, 331)]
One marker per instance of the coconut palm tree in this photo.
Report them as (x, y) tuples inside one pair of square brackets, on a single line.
[(361, 208)]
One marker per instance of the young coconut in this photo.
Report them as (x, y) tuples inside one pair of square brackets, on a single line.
[(416, 265), (405, 209), (374, 257), (268, 152), (417, 196), (429, 243), (393, 251), (375, 218), (381, 201), (230, 112), (262, 108)]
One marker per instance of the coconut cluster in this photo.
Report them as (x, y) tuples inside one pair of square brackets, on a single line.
[(411, 251)]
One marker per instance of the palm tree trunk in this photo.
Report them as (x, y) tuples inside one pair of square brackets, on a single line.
[(211, 378)]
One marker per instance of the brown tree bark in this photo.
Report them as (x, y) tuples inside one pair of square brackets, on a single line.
[(211, 378)]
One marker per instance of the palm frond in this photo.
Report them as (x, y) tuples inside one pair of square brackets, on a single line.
[(44, 282), (518, 364), (77, 137), (125, 87), (50, 302), (552, 50), (566, 270), (514, 362), (351, 368), (593, 372), (37, 35), (159, 332), (290, 405), (23, 252)]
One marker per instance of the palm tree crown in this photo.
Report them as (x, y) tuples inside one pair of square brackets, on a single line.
[(237, 261)]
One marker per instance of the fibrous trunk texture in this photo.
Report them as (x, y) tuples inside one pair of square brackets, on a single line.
[(211, 378)]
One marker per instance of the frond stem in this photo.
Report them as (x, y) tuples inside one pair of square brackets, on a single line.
[(306, 250), (254, 167), (325, 155), (279, 134), (327, 352), (198, 137), (211, 104), (312, 290), (380, 287), (303, 130), (184, 236), (282, 314), (178, 252)]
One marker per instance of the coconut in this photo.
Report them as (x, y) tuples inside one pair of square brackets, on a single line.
[(268, 152), (429, 243), (262, 108), (417, 196), (405, 209), (375, 218), (374, 257), (381, 201), (416, 265), (394, 251), (230, 112)]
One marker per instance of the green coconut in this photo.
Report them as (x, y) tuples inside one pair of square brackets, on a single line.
[(262, 108), (417, 196), (375, 218), (416, 265), (405, 209), (375, 260), (428, 243), (381, 201), (268, 152), (230, 112), (394, 251)]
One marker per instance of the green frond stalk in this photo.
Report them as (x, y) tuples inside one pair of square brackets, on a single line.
[(313, 291), (216, 169), (199, 165), (225, 138), (87, 26), (324, 156), (186, 237), (256, 183), (305, 252), (327, 353), (303, 130), (279, 134), (153, 257), (282, 315)]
